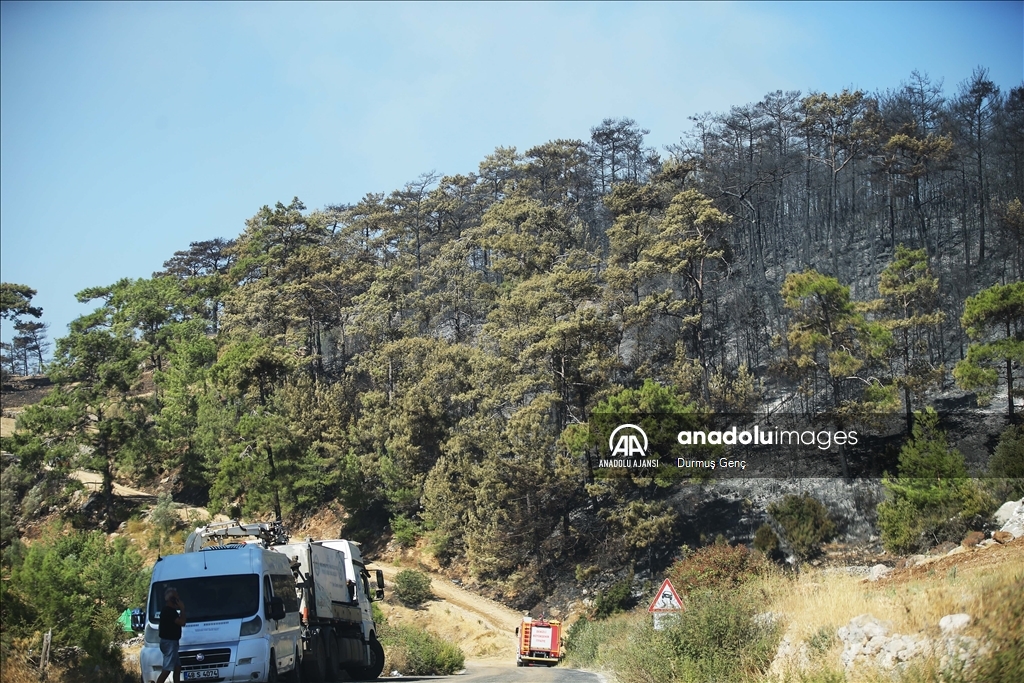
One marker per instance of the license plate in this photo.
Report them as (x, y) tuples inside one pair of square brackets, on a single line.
[(200, 675)]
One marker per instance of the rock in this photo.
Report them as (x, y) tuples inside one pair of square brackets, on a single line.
[(1006, 510), (959, 550), (765, 619), (861, 628), (1015, 523), (972, 539), (954, 623), (988, 543), (877, 572), (790, 657), (1002, 536)]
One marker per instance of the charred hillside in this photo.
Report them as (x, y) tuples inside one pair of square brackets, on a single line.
[(431, 358)]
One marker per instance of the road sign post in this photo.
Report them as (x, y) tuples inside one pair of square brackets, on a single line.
[(666, 606)]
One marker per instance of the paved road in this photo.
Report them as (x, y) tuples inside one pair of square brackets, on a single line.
[(500, 672)]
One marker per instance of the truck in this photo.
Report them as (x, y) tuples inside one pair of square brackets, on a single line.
[(539, 642), (252, 608), (334, 601)]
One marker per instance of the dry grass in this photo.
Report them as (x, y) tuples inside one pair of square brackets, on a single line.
[(477, 639), (912, 600), (7, 425)]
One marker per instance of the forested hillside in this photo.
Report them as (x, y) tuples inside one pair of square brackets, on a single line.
[(426, 356)]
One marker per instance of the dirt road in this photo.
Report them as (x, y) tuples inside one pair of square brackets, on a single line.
[(484, 629)]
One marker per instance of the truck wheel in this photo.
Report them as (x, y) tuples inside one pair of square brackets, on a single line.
[(333, 657), (376, 667), (295, 675), (314, 664), (272, 671)]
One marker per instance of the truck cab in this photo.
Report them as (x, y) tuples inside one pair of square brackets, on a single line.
[(242, 615)]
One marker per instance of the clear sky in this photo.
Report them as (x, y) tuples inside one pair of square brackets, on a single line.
[(129, 130)]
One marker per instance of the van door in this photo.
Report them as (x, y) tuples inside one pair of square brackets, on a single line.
[(273, 627)]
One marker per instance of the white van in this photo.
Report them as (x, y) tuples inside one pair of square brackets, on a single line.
[(242, 615)]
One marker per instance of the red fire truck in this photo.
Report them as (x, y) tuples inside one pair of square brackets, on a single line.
[(540, 642)]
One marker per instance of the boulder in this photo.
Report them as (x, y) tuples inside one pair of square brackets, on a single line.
[(1006, 510), (863, 627), (1015, 523), (1002, 536), (972, 539), (954, 623), (877, 572)]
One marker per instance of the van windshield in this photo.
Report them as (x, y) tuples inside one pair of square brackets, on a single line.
[(210, 598)]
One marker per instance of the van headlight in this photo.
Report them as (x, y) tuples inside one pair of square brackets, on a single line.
[(152, 635), (251, 627)]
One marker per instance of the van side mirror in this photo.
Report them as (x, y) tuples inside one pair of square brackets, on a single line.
[(139, 619), (380, 585), (276, 608)]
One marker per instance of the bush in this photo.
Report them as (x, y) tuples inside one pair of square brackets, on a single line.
[(616, 599), (404, 531), (716, 639), (932, 499), (716, 567), (765, 540), (77, 584), (1008, 460), (416, 652), (412, 588), (805, 523)]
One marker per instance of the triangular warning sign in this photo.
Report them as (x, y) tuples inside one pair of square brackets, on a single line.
[(666, 599)]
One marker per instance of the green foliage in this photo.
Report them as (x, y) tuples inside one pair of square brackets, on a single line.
[(404, 531), (1008, 460), (805, 523), (715, 639), (996, 315), (716, 567), (412, 588), (16, 300), (616, 599), (766, 540), (415, 651), (164, 519), (931, 499), (76, 583), (831, 342)]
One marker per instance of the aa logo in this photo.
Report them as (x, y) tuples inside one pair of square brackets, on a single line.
[(628, 443)]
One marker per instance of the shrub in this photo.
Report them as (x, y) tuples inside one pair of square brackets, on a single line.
[(412, 588), (716, 639), (616, 599), (716, 567), (1008, 460), (932, 499), (77, 584), (416, 652), (404, 531), (805, 523), (765, 540)]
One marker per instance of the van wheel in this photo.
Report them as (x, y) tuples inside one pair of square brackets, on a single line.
[(272, 671)]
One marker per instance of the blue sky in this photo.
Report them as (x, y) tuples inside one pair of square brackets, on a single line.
[(129, 130)]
